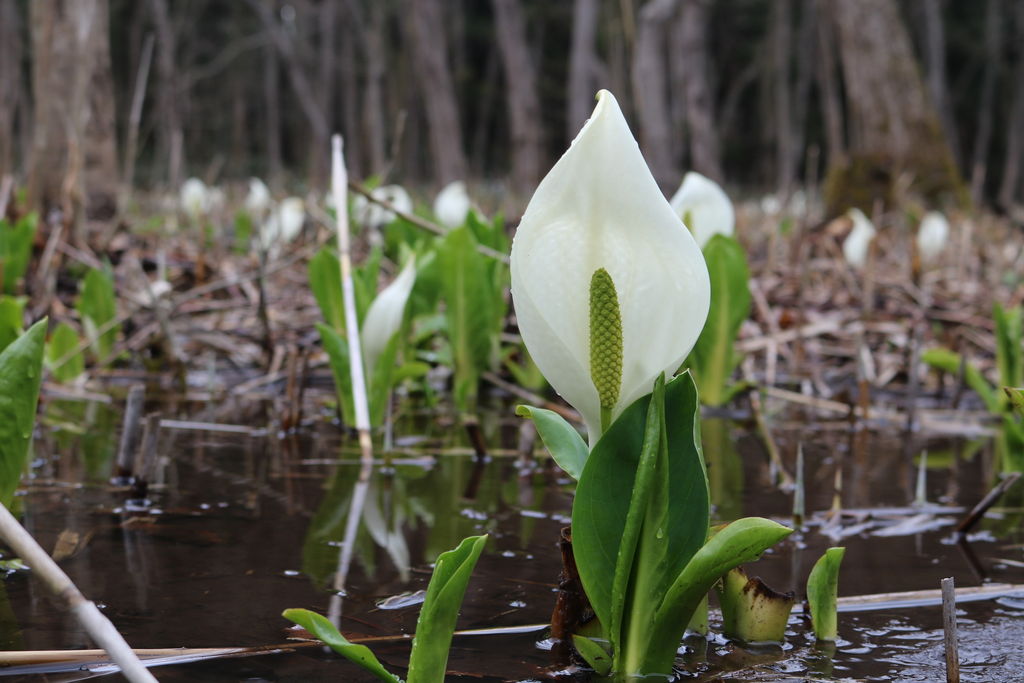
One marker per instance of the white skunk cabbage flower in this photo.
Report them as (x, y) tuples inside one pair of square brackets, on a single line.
[(452, 204), (195, 198), (215, 200), (610, 289), (932, 236), (283, 224), (374, 215), (257, 202), (704, 208), (384, 316), (855, 246)]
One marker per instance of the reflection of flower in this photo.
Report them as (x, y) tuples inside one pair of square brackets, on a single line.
[(195, 198), (374, 215), (704, 207), (452, 204), (257, 202), (385, 316), (855, 246), (932, 235), (609, 290)]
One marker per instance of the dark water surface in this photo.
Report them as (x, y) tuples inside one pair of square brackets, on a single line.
[(242, 527)]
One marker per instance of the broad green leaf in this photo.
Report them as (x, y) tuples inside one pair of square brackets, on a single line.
[(12, 309), (429, 658), (563, 442), (713, 358), (751, 611), (324, 630), (383, 379), (1009, 349), (737, 543), (364, 283), (21, 369), (473, 327), (98, 310), (325, 281), (596, 656), (949, 361), (64, 344), (336, 347), (16, 250), (822, 592), (606, 487)]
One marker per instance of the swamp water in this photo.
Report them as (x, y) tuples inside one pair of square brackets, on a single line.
[(242, 525)]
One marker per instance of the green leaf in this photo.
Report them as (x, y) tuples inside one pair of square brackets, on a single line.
[(21, 366), (12, 310), (429, 658), (324, 630), (337, 355), (751, 611), (713, 358), (737, 543), (98, 309), (64, 341), (1016, 396), (16, 250), (243, 233), (609, 482), (325, 281), (383, 379), (563, 442), (473, 327), (822, 591), (949, 361), (595, 655), (1008, 345)]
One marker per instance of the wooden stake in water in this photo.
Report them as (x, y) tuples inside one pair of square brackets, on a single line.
[(339, 188), (949, 631), (88, 614), (130, 431), (799, 504), (920, 495)]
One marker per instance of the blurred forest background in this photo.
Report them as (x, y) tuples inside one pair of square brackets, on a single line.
[(866, 99)]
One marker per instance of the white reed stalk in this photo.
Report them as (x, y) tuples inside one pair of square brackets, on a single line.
[(339, 187), (89, 616)]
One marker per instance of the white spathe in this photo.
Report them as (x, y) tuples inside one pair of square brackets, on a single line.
[(258, 201), (384, 316), (932, 236), (708, 207), (283, 224), (857, 243), (599, 207), (374, 215), (195, 198), (452, 204)]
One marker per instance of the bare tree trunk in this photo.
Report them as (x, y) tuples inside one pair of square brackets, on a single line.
[(74, 155), (806, 56), (327, 77), (781, 37), (982, 142), (10, 82), (693, 50), (935, 69), (650, 82), (171, 132), (894, 130), (584, 66), (425, 24), (373, 90), (296, 73), (272, 109), (831, 106), (525, 127), (1010, 182)]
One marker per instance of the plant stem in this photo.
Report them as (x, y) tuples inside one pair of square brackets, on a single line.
[(92, 620)]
